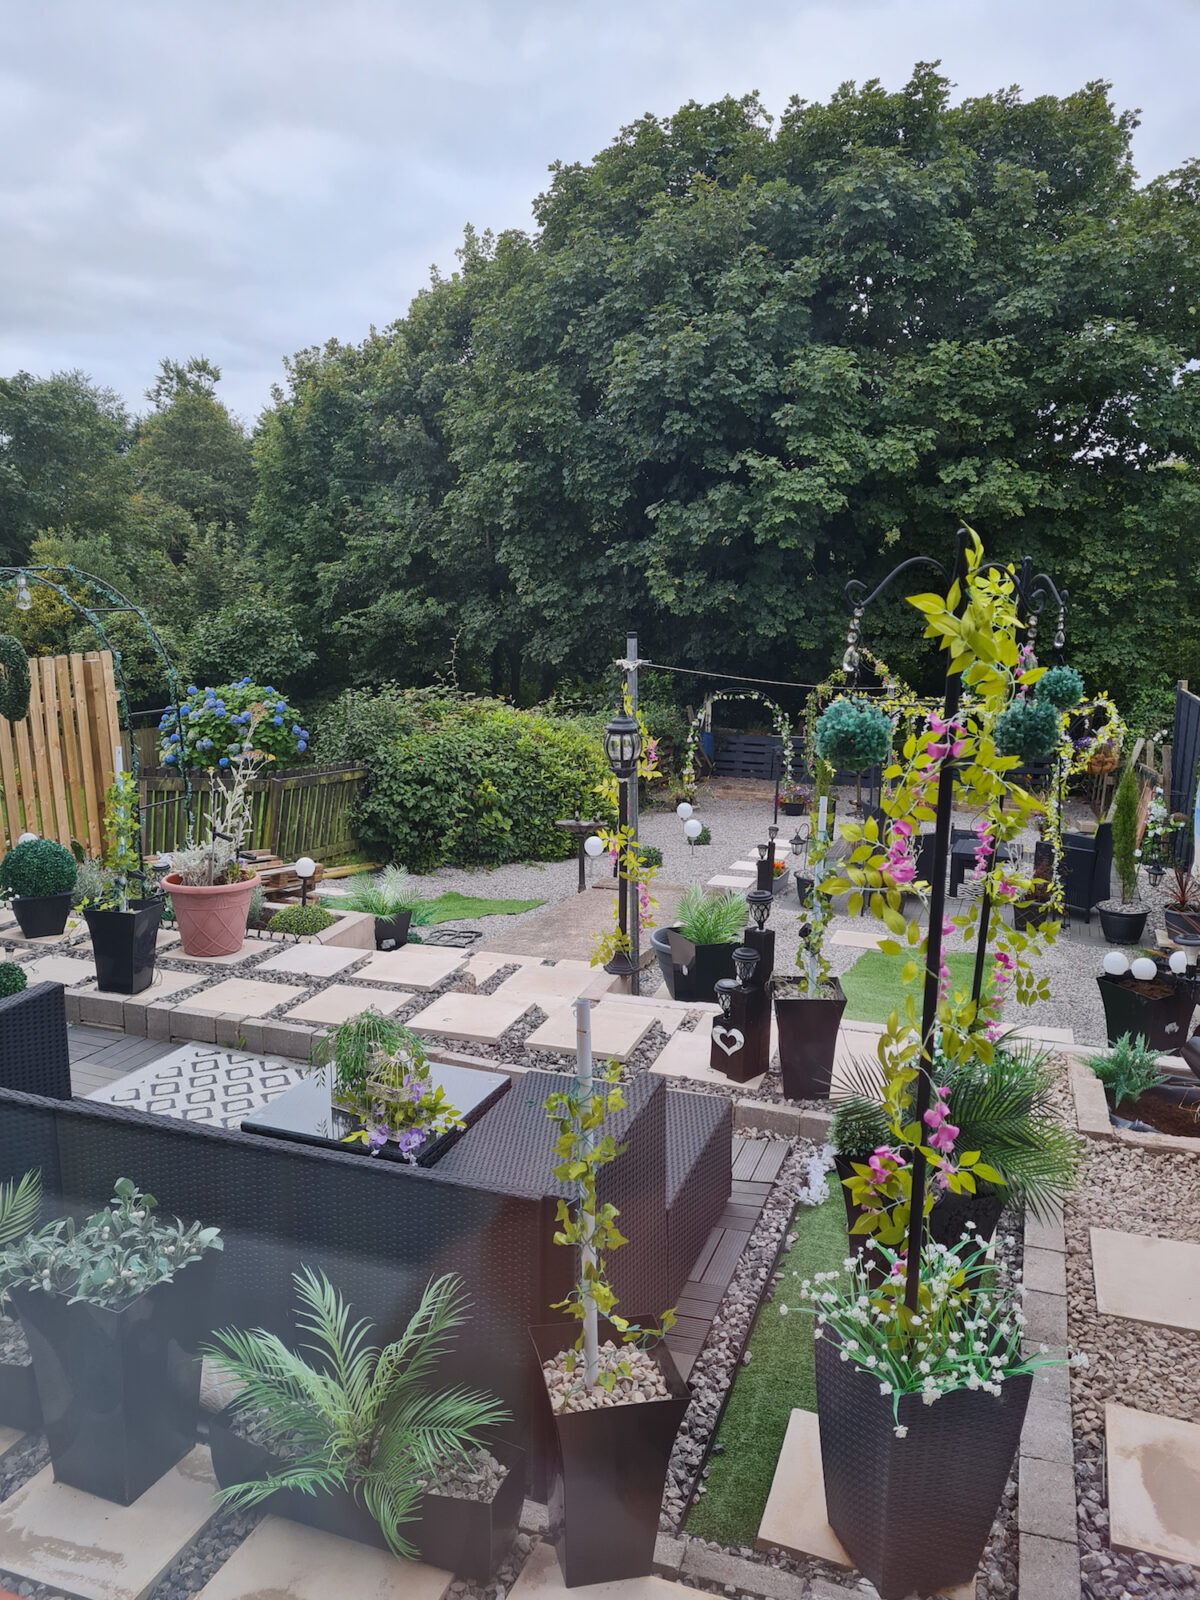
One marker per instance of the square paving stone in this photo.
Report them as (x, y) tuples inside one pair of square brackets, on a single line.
[(286, 1561), (312, 960), (59, 969), (342, 1000), (1147, 1279), (566, 980), (725, 880), (252, 951), (794, 1519), (85, 1546), (616, 1030), (242, 997), (165, 983), (476, 1018), (1153, 1483), (413, 966), (686, 1055)]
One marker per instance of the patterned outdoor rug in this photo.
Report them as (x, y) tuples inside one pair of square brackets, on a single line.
[(203, 1083)]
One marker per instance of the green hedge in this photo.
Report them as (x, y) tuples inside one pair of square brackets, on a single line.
[(454, 780)]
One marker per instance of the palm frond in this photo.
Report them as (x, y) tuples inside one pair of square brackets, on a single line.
[(309, 1474), (413, 1357), (327, 1319), (274, 1377), (392, 1497), (431, 1425), (20, 1203)]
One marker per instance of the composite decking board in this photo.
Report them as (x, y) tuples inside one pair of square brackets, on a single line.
[(724, 1259), (770, 1159), (745, 1160)]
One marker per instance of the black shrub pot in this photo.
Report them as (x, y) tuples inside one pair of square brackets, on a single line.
[(808, 1030), (1161, 1020), (42, 916), (696, 982), (607, 1470), (124, 944), (913, 1513), (392, 932), (19, 1406), (466, 1537), (1123, 927), (119, 1390)]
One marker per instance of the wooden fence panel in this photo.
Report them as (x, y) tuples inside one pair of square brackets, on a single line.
[(305, 811)]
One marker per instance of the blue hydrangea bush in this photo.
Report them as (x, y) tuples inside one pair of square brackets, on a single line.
[(220, 725)]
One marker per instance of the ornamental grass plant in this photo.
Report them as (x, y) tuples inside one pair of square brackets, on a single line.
[(1127, 1071), (707, 918)]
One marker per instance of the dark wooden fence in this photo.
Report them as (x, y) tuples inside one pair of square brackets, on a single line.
[(303, 811), (1185, 760)]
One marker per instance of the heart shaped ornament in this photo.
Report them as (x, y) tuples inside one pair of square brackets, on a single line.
[(730, 1040)]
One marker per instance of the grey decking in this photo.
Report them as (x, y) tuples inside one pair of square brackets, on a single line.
[(98, 1055)]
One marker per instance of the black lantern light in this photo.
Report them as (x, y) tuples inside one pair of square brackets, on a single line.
[(725, 989), (623, 745), (745, 960), (759, 901)]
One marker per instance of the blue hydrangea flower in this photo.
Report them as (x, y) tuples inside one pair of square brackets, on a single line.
[(278, 721), (302, 746), (192, 689), (169, 758), (219, 712), (296, 729), (223, 762)]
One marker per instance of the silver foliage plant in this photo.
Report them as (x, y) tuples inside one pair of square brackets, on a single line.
[(228, 822)]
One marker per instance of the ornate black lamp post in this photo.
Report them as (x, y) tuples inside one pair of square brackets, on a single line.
[(623, 748)]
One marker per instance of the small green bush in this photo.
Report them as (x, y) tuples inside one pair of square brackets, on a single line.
[(704, 836), (1061, 687), (1028, 730), (36, 868), (463, 781), (651, 855), (301, 920), (852, 735), (1128, 1070), (12, 978), (858, 1127)]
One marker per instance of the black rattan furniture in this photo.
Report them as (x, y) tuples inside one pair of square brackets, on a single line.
[(33, 1042), (1087, 869)]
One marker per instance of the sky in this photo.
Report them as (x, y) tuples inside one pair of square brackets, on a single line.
[(244, 179)]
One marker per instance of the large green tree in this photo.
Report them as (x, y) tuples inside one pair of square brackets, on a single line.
[(189, 451), (740, 363)]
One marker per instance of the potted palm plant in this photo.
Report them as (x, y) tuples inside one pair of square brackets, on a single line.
[(123, 925), (356, 1443), (391, 899), (114, 1310), (37, 877), (1124, 920), (711, 924)]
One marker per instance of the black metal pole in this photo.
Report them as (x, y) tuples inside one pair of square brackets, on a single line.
[(625, 954), (933, 955)]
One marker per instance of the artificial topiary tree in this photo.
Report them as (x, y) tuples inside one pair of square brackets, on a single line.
[(12, 978), (14, 681), (1125, 834), (37, 869), (852, 735), (1060, 687), (1027, 729), (301, 920)]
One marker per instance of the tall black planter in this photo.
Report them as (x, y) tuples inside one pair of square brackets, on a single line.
[(466, 1537), (19, 1406), (391, 933), (119, 1390), (913, 1513), (808, 1029), (42, 916), (1161, 1021), (607, 1471), (698, 980), (124, 945)]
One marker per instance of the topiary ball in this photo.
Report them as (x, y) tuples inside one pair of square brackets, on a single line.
[(301, 920), (1061, 687), (852, 735), (37, 868), (651, 855), (1028, 730), (14, 683), (12, 978)]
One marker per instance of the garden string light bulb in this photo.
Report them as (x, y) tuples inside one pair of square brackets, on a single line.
[(1115, 964), (683, 811), (24, 598), (593, 845), (1144, 969)]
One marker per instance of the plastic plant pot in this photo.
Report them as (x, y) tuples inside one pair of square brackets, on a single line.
[(1123, 927), (698, 980), (124, 945), (1159, 1012), (391, 933), (211, 916), (42, 916)]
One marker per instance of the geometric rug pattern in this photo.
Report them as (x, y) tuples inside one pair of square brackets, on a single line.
[(203, 1083)]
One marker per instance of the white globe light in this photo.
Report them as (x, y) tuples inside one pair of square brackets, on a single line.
[(1115, 963), (683, 811), (306, 867), (692, 828), (593, 845), (1178, 961), (1144, 969), (27, 837)]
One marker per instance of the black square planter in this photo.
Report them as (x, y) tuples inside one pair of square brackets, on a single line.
[(119, 1390), (913, 1513), (1162, 1022), (391, 933), (124, 945), (808, 1030)]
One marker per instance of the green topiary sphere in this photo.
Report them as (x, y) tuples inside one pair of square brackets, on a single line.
[(12, 978), (1061, 687), (37, 868), (1028, 729), (852, 735), (14, 682), (301, 920)]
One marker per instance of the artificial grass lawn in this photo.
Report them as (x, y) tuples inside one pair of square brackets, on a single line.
[(454, 907), (873, 988), (778, 1379)]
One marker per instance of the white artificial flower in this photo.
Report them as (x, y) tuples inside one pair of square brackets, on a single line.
[(783, 1310), (901, 1433)]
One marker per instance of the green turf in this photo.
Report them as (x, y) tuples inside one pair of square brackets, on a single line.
[(873, 988), (778, 1379), (453, 907)]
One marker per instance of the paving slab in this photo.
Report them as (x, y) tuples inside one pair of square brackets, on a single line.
[(253, 950), (312, 960), (91, 1548), (686, 1055), (565, 980), (59, 969), (1147, 1279), (616, 1030), (284, 1560), (165, 983), (542, 1579), (794, 1519), (727, 880), (413, 966), (476, 1018), (242, 997), (8, 1438), (342, 1000), (857, 938), (1153, 1483)]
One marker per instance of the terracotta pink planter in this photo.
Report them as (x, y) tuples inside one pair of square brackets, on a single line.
[(211, 918)]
